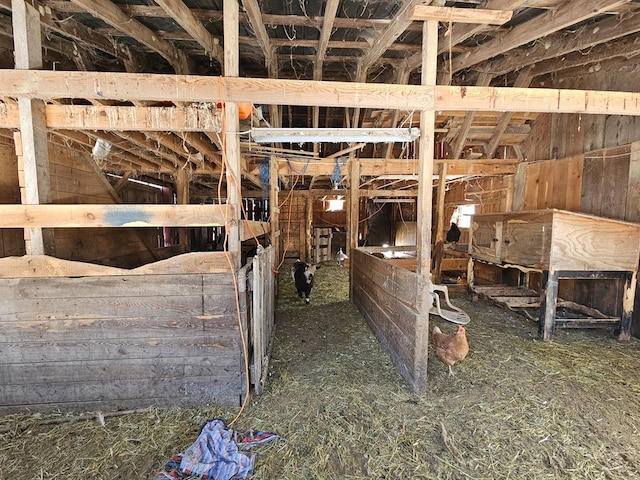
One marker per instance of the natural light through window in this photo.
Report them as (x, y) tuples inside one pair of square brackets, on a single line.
[(335, 204), (462, 215)]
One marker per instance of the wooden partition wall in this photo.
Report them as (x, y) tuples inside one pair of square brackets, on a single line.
[(391, 300)]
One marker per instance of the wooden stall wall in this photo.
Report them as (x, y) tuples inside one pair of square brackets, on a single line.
[(391, 300), (603, 182), (565, 135), (293, 224), (549, 184), (11, 239), (118, 339), (75, 180)]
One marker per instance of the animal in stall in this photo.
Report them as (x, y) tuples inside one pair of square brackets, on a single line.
[(303, 276), (451, 348), (453, 235), (341, 257)]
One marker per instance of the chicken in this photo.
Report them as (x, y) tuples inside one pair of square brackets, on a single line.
[(341, 257), (451, 348)]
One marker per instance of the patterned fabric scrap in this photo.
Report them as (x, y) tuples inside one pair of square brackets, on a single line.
[(216, 454)]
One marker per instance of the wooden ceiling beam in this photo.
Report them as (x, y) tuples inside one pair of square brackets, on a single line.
[(110, 118), (545, 24), (460, 32), (523, 80), (460, 15), (254, 18), (559, 45), (398, 25), (187, 20), (372, 167), (114, 16), (48, 84), (330, 11)]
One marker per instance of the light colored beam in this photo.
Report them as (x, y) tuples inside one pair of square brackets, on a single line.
[(187, 20), (92, 215), (110, 118), (460, 15), (566, 15), (51, 84)]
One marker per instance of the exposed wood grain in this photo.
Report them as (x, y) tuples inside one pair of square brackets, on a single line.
[(46, 84), (72, 216)]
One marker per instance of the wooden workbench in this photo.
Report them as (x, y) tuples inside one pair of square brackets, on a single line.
[(560, 244)]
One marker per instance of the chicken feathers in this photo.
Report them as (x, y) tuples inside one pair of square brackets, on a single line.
[(451, 348)]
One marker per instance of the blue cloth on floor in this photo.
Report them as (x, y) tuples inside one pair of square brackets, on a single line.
[(217, 454), (214, 454)]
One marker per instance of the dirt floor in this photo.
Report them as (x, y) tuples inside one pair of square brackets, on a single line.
[(517, 408)]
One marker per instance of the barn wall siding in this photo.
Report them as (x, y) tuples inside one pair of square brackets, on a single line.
[(11, 239), (75, 181), (121, 341), (390, 298)]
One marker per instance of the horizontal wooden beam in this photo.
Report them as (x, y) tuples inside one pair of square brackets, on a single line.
[(380, 166), (461, 15), (182, 88), (85, 215), (115, 118), (251, 228)]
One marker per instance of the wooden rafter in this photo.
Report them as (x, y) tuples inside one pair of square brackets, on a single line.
[(114, 16), (545, 24), (523, 80), (185, 18), (397, 26), (325, 34), (458, 145), (459, 32), (561, 44)]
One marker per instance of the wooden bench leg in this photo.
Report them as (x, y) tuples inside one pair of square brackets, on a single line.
[(629, 293), (547, 321)]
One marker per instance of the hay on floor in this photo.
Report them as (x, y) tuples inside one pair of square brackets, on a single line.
[(517, 407)]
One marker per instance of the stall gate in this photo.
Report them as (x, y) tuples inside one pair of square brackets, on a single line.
[(260, 309)]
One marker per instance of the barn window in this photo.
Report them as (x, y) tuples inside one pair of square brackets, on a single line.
[(462, 215), (334, 203)]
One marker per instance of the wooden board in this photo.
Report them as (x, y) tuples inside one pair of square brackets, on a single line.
[(119, 341), (390, 298)]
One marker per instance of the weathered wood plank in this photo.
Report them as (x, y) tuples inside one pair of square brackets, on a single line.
[(203, 387), (171, 401), (179, 88), (85, 215), (86, 349), (116, 328), (130, 368), (394, 322), (119, 118)]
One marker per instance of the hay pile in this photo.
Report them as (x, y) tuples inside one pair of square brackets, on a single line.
[(517, 408)]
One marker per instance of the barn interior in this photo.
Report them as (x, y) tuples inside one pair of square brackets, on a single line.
[(164, 161)]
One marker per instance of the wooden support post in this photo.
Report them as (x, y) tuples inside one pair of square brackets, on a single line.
[(547, 321), (442, 184), (274, 205), (231, 126), (182, 194), (308, 228), (33, 131), (353, 212), (628, 301), (426, 144)]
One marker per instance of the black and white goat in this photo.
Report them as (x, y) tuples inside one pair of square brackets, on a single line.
[(303, 274)]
